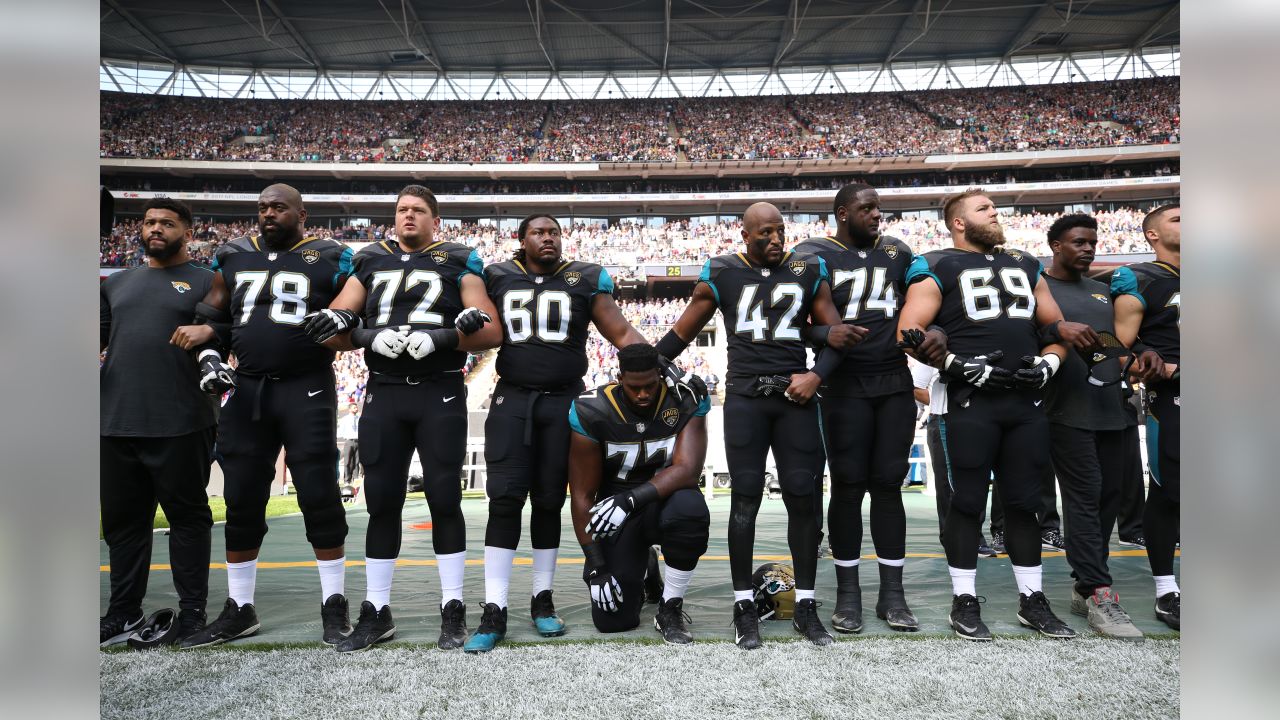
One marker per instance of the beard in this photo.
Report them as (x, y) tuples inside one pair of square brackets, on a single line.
[(987, 236), (861, 235), (163, 253)]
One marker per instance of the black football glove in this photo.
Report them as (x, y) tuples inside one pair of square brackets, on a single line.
[(683, 384), (1037, 372), (911, 339), (979, 371), (608, 515), (216, 377), (324, 324), (471, 320), (606, 593)]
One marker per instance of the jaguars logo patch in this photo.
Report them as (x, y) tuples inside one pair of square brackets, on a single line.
[(891, 251), (1015, 254), (573, 278), (180, 286), (1098, 357), (439, 256), (671, 416), (310, 256), (797, 267), (1101, 298)]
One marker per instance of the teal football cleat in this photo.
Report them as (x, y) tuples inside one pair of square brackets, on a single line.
[(492, 629)]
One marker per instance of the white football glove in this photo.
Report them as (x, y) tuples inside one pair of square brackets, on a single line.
[(216, 377), (420, 344), (390, 342), (608, 515)]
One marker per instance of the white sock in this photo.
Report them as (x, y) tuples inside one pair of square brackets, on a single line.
[(846, 563), (740, 595), (497, 574), (892, 563), (450, 568), (803, 594), (333, 577), (378, 573), (1165, 584), (544, 568), (1028, 578), (241, 579), (963, 581), (675, 582)]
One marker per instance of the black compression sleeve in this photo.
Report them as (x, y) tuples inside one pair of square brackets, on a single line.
[(671, 345), (444, 338)]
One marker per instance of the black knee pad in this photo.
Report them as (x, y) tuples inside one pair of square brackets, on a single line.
[(245, 528), (615, 622), (549, 500), (686, 526), (969, 499), (326, 525), (800, 483), (1024, 496)]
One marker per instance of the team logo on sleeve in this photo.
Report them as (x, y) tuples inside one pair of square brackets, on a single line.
[(891, 251), (1101, 298), (310, 256), (797, 267), (671, 416), (439, 257), (572, 278), (180, 286), (1015, 254)]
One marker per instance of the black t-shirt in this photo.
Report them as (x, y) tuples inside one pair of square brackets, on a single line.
[(544, 321), (150, 388), (633, 446), (764, 309), (271, 292), (988, 301), (1069, 399), (421, 289)]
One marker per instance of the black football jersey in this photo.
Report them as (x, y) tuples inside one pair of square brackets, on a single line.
[(421, 289), (544, 321), (868, 287), (1159, 286), (634, 446), (271, 292), (988, 301), (764, 309)]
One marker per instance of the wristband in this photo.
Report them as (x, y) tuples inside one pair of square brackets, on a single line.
[(593, 557), (1049, 334), (444, 338), (643, 494), (671, 345)]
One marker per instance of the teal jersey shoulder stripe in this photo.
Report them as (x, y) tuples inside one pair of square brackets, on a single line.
[(705, 276), (605, 284), (575, 423), (1124, 282), (919, 269)]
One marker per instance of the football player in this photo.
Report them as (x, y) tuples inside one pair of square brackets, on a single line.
[(1148, 307), (402, 305), (869, 409), (634, 462), (545, 303), (992, 305), (766, 294), (283, 395)]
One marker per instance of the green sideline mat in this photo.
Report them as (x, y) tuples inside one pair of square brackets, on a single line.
[(288, 590)]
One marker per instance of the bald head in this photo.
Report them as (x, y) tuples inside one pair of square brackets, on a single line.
[(764, 231), (281, 216)]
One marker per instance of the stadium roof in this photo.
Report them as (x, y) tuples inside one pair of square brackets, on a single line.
[(617, 35)]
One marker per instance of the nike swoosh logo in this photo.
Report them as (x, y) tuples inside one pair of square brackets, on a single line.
[(450, 398), (1037, 403), (313, 394), (737, 640), (966, 628)]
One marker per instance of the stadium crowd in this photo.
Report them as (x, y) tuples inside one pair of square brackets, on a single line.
[(624, 247), (1123, 112)]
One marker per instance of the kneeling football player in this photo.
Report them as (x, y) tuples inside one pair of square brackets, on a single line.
[(635, 456)]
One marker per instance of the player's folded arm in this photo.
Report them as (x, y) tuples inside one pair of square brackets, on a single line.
[(920, 309), (474, 295)]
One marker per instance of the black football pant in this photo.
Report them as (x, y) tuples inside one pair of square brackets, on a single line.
[(1160, 522), (941, 479), (1000, 432), (263, 414), (680, 524), (1090, 468), (1048, 516), (868, 442), (753, 425), (526, 452), (136, 474), (398, 418), (1133, 501)]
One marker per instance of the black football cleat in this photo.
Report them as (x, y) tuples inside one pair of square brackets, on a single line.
[(1034, 612), (892, 603), (115, 629), (806, 622), (374, 626), (848, 615), (1169, 610), (543, 612), (746, 625), (966, 618), (492, 629), (453, 625), (673, 622), (334, 619), (236, 621), (158, 630)]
